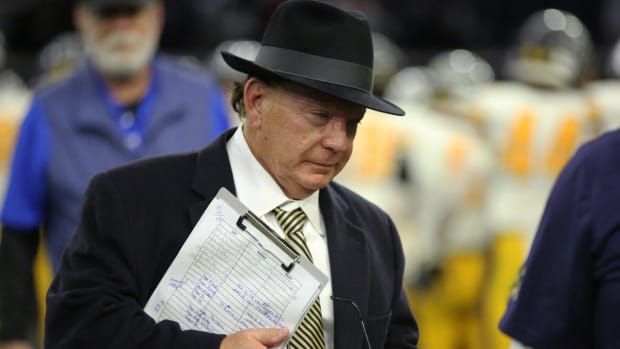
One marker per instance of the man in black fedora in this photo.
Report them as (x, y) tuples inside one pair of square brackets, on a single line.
[(305, 94)]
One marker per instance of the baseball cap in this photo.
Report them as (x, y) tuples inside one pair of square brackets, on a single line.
[(103, 4)]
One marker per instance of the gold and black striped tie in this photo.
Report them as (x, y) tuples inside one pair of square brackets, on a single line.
[(309, 334)]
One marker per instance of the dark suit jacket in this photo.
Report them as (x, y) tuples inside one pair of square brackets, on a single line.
[(136, 218)]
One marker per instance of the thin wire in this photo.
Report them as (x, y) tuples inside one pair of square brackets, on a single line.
[(359, 313)]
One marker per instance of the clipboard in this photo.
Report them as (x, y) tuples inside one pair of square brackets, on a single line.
[(234, 272)]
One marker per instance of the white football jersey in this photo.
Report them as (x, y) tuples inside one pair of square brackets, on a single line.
[(372, 170), (533, 133), (604, 95), (437, 207), (448, 165)]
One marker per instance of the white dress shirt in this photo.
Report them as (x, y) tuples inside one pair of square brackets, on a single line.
[(260, 193)]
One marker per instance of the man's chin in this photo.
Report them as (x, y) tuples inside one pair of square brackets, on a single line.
[(317, 181), (305, 186), (121, 66)]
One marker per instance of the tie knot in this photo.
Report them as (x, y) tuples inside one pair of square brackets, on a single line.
[(290, 221)]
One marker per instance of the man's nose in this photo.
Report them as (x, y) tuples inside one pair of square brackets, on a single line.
[(337, 137)]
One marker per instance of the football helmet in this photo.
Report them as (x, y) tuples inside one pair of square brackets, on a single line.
[(459, 73), (613, 62), (460, 68), (9, 79), (553, 50), (58, 58), (387, 57), (243, 48), (411, 84)]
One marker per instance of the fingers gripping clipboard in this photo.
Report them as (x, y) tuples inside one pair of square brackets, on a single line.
[(234, 272)]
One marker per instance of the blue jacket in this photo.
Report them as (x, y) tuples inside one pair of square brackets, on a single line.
[(75, 129), (136, 219)]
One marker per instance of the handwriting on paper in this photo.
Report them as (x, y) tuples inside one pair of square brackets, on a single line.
[(233, 294), (229, 276)]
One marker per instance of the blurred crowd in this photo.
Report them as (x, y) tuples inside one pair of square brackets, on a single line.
[(420, 28), (498, 97)]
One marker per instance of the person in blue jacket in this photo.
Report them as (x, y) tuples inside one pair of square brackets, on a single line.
[(124, 103), (568, 291)]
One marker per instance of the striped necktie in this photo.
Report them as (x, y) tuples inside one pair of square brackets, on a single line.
[(309, 334)]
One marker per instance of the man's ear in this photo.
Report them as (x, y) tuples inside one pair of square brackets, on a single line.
[(254, 93)]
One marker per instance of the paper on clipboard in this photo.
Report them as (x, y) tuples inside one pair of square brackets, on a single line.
[(234, 273)]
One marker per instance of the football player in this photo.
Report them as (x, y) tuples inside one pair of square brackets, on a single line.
[(446, 166), (533, 123)]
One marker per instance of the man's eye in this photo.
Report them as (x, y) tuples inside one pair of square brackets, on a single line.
[(322, 115)]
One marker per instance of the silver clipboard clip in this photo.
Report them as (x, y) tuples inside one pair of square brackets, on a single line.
[(272, 235)]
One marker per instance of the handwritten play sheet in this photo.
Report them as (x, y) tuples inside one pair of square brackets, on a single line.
[(226, 278)]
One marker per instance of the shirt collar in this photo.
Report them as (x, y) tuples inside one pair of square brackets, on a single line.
[(310, 206), (257, 190)]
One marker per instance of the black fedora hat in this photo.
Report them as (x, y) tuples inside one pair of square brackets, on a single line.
[(320, 46)]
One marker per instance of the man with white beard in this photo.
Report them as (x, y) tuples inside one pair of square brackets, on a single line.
[(124, 103)]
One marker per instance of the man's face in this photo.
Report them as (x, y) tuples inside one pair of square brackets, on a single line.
[(120, 41), (302, 138)]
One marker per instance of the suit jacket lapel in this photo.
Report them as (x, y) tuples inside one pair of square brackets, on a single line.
[(348, 255), (347, 245), (212, 172)]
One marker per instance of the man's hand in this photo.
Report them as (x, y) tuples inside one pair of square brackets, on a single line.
[(260, 338), (16, 345)]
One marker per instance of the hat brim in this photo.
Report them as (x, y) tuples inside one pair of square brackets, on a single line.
[(349, 94)]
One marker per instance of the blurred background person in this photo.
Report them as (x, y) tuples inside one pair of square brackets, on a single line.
[(55, 62), (533, 123), (565, 294), (428, 171), (124, 103), (446, 166)]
